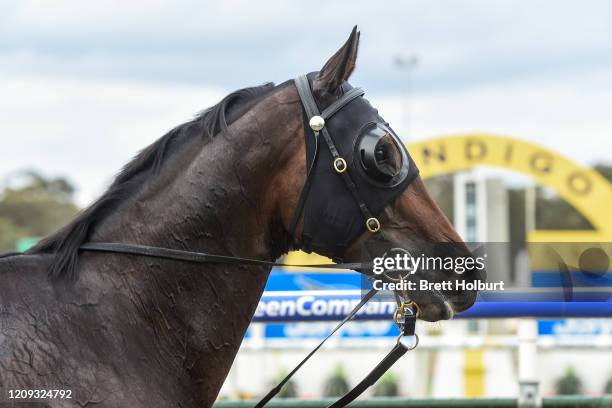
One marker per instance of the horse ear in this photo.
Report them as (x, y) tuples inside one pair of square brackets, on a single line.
[(339, 67)]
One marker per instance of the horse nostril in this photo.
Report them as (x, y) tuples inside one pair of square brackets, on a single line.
[(450, 310)]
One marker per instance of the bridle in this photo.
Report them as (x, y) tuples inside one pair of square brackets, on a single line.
[(407, 311)]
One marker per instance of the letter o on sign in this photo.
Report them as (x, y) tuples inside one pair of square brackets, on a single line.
[(541, 162), (475, 149), (319, 307), (579, 183)]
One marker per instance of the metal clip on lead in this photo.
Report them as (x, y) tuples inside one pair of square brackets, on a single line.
[(405, 318)]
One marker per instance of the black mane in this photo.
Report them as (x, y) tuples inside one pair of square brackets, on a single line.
[(65, 243)]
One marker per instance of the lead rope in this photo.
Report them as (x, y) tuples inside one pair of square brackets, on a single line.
[(405, 318), (272, 393), (205, 257)]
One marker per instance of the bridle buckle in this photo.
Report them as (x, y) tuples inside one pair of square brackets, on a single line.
[(410, 342), (407, 308), (340, 165), (372, 224)]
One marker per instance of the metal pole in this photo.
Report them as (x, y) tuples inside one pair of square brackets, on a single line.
[(407, 63), (530, 209), (529, 396)]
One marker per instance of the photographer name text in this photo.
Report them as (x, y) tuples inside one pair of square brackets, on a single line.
[(425, 285)]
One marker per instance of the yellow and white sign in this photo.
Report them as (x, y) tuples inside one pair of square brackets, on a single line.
[(585, 189)]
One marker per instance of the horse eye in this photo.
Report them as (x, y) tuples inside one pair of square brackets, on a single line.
[(381, 156), (388, 156)]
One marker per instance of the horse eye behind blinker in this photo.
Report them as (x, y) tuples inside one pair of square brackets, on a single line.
[(380, 154)]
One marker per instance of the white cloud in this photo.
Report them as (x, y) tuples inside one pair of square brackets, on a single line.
[(458, 43), (570, 115)]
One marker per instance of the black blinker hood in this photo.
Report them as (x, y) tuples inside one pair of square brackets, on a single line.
[(332, 217)]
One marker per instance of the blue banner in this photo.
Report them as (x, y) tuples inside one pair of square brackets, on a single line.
[(314, 330), (318, 306), (326, 306), (281, 281), (575, 327)]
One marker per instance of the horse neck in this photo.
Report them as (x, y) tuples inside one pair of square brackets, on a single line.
[(220, 202), (212, 196)]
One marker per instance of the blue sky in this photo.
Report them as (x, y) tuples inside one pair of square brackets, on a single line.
[(86, 84)]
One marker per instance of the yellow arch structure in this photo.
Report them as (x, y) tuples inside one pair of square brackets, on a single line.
[(585, 189)]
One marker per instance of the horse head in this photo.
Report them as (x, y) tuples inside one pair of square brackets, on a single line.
[(362, 196)]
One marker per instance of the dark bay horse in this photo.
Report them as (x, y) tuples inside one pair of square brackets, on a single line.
[(129, 331)]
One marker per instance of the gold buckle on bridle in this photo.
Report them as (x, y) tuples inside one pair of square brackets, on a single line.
[(372, 224), (400, 312), (340, 165)]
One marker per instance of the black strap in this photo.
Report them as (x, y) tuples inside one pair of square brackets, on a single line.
[(203, 257), (340, 103), (395, 354), (387, 362), (310, 107), (280, 385), (409, 325), (297, 212), (350, 184), (303, 87)]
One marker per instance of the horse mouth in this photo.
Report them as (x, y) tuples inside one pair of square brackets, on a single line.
[(439, 308)]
